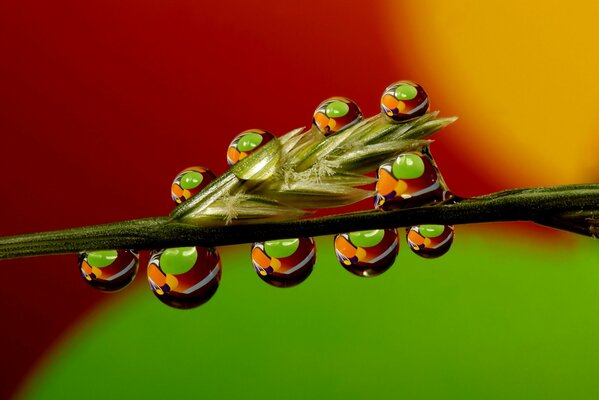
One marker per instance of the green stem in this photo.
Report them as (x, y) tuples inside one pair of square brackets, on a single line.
[(574, 208)]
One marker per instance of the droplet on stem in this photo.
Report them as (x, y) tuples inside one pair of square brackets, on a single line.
[(404, 100), (189, 182), (335, 114), (246, 143), (409, 180)]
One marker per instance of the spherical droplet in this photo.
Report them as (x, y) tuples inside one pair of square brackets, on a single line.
[(335, 114), (246, 143), (285, 262), (184, 277), (367, 253), (430, 241), (404, 100), (409, 180), (189, 182), (109, 270)]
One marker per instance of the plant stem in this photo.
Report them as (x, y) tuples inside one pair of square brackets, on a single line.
[(573, 207)]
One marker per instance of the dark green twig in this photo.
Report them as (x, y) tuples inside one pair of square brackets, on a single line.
[(574, 208)]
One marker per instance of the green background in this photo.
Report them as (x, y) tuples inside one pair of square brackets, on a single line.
[(495, 318)]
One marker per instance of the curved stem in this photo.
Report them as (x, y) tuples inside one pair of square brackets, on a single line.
[(573, 207)]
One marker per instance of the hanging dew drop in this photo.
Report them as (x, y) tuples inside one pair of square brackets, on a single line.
[(109, 270), (284, 263), (367, 253), (184, 277), (430, 241)]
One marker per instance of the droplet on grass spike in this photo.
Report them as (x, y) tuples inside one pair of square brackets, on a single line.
[(335, 114), (285, 262), (246, 143), (184, 277), (109, 270), (189, 182), (409, 180), (404, 100), (367, 253), (430, 241)]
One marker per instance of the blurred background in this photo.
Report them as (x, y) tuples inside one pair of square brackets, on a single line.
[(102, 103)]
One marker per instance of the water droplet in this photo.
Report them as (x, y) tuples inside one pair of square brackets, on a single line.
[(285, 262), (189, 182), (404, 100), (430, 241), (367, 253), (109, 270), (246, 143), (409, 180), (184, 277), (335, 114)]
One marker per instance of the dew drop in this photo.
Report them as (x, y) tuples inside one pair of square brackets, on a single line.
[(190, 182), (109, 270), (246, 143), (335, 114), (367, 253), (285, 262), (184, 277), (430, 241), (409, 180), (404, 100)]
